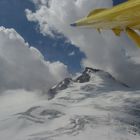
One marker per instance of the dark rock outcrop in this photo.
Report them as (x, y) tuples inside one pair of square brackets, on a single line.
[(85, 76), (61, 86)]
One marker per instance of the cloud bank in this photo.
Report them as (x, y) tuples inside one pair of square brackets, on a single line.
[(116, 55), (23, 66)]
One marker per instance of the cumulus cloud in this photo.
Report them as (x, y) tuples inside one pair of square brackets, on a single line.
[(23, 66), (116, 55)]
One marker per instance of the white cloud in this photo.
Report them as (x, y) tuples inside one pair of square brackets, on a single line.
[(58, 70), (24, 67), (103, 51), (71, 53)]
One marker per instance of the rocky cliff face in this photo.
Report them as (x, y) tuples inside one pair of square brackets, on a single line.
[(60, 86)]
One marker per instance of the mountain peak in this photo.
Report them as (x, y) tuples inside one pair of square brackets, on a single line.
[(93, 76)]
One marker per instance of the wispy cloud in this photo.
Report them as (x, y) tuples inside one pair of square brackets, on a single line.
[(71, 53)]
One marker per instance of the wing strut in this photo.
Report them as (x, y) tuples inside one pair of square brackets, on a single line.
[(134, 36)]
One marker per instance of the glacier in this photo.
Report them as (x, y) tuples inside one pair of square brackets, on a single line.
[(93, 105)]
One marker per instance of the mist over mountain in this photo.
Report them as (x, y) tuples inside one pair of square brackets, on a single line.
[(91, 105)]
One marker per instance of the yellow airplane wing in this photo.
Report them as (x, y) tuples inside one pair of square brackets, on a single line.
[(123, 17)]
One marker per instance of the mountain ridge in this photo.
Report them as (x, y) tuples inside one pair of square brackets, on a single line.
[(84, 77)]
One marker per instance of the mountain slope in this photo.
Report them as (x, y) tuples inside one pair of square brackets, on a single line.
[(92, 106)]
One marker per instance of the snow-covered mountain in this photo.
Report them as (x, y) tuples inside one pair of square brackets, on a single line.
[(92, 106), (88, 75)]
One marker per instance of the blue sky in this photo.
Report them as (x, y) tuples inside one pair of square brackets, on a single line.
[(12, 15), (118, 1)]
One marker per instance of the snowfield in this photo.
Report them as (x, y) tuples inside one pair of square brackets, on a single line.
[(99, 109)]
